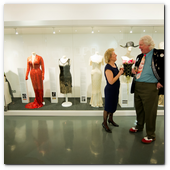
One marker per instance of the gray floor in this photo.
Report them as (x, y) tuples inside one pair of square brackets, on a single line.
[(78, 140)]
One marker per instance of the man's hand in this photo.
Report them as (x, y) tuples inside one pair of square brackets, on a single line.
[(133, 71), (159, 85)]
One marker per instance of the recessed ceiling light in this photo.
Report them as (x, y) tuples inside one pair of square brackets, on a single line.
[(53, 31), (16, 32), (131, 30), (143, 30), (92, 31)]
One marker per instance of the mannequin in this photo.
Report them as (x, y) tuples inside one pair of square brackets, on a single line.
[(65, 79), (161, 97), (33, 57), (126, 57), (96, 77), (161, 45), (63, 61), (37, 76), (129, 49), (129, 45)]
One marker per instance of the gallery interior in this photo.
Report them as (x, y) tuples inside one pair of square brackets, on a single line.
[(66, 127)]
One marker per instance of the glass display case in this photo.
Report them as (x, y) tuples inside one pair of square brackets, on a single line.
[(78, 44)]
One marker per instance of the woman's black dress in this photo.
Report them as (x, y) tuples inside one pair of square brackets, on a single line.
[(65, 79), (111, 91)]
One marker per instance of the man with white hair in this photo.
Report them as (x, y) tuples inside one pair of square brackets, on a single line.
[(147, 84)]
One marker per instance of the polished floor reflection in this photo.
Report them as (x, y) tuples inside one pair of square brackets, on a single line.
[(78, 140)]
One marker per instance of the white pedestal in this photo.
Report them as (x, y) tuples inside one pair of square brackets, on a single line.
[(66, 103), (126, 99)]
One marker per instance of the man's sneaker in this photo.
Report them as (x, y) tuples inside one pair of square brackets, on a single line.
[(148, 140), (134, 130)]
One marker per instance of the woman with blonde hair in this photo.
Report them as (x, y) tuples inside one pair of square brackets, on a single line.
[(111, 90)]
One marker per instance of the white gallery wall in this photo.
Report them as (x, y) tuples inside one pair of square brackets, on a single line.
[(77, 47), (83, 12)]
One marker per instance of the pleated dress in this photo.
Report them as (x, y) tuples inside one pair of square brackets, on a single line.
[(111, 91)]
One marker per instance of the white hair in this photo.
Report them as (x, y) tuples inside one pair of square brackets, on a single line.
[(147, 40)]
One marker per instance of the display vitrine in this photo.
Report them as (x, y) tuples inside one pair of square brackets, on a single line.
[(68, 69)]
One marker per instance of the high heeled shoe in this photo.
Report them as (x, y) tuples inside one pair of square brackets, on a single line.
[(107, 130), (113, 123)]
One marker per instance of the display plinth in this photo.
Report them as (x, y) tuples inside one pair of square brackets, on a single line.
[(66, 104), (23, 85), (126, 99)]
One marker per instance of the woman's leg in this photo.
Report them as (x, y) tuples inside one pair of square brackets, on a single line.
[(105, 116), (111, 120)]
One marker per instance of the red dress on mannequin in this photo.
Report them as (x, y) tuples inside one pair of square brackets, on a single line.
[(37, 77)]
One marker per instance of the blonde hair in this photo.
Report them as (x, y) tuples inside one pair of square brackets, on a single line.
[(147, 40), (108, 54)]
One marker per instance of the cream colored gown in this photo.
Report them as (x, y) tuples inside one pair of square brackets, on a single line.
[(96, 79)]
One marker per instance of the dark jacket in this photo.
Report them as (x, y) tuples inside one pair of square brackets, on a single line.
[(157, 68)]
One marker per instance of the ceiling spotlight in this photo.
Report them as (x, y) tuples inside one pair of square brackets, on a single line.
[(143, 30), (53, 31), (98, 30), (16, 32), (120, 31), (92, 31), (59, 31), (131, 30), (154, 30)]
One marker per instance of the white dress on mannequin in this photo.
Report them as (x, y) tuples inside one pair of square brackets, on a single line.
[(96, 77)]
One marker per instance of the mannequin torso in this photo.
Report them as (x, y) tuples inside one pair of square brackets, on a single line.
[(63, 61), (33, 57), (95, 61), (128, 53), (161, 45), (96, 58)]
